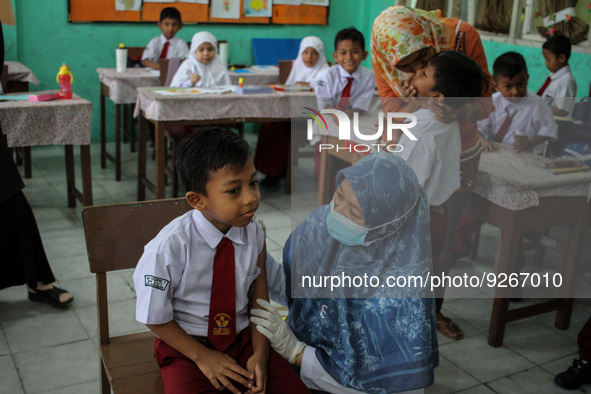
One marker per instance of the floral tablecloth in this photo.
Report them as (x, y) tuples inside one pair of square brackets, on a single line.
[(57, 122), (123, 86), (513, 181), (256, 76), (276, 105), (19, 72)]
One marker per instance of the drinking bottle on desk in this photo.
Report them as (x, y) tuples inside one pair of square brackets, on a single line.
[(65, 79)]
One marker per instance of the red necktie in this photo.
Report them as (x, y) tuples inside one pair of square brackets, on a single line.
[(221, 330), (164, 50), (505, 126), (544, 86), (344, 102)]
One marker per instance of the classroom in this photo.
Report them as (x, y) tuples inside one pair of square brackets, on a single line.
[(521, 217)]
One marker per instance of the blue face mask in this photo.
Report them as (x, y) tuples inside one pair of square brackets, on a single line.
[(343, 229)]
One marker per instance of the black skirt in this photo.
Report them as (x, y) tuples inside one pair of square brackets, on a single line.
[(23, 257)]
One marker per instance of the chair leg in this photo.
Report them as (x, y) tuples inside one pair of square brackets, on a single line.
[(475, 243), (28, 166), (175, 175), (105, 384)]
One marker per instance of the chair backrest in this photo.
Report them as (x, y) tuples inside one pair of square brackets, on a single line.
[(169, 67), (268, 51), (284, 70), (135, 52), (115, 238)]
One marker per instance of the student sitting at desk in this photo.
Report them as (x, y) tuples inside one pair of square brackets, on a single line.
[(520, 119), (204, 68), (274, 137), (166, 45)]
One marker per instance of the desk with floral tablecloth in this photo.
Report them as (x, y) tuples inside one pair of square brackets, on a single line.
[(57, 122)]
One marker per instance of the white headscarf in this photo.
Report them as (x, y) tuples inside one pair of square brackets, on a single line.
[(212, 74), (301, 73)]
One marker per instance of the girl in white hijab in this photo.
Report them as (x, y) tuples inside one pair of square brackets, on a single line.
[(204, 68), (310, 62)]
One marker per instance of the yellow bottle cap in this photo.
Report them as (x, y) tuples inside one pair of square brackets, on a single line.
[(121, 45)]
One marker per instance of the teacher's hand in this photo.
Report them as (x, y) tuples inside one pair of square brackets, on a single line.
[(269, 323)]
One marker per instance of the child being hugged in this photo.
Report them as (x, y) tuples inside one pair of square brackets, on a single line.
[(309, 63), (204, 68), (199, 277), (166, 45)]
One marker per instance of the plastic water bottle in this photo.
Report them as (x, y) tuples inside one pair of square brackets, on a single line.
[(65, 79)]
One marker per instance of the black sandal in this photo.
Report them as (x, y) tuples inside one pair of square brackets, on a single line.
[(51, 297)]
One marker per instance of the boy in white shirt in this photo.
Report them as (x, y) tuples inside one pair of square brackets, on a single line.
[(346, 85), (199, 277), (166, 45), (521, 118), (560, 87)]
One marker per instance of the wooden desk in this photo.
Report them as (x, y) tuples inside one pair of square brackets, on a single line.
[(18, 79), (57, 122), (165, 111), (121, 88), (256, 75), (516, 197)]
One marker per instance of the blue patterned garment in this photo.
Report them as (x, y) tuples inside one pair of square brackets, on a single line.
[(374, 345)]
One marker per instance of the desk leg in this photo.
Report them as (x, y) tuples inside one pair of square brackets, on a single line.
[(70, 181), (118, 142), (86, 175), (505, 260), (326, 178), (160, 153), (141, 169), (103, 131), (131, 128)]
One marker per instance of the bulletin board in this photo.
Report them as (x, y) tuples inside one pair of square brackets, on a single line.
[(85, 11)]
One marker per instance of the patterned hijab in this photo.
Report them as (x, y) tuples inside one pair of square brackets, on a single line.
[(400, 31), (212, 74), (374, 345), (299, 71)]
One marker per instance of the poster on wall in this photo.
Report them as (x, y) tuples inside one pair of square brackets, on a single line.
[(323, 3), (227, 9), (287, 2), (128, 5), (259, 8), (195, 1), (159, 1)]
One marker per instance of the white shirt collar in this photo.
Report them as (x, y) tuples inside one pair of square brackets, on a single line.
[(163, 39), (344, 74), (560, 72), (211, 234)]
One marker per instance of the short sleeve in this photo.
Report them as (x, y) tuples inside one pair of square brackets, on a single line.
[(150, 51), (322, 89)]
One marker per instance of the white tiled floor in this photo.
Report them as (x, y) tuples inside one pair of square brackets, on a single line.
[(44, 350)]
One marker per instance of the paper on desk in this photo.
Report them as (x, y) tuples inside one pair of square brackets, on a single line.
[(264, 67), (15, 97), (193, 91)]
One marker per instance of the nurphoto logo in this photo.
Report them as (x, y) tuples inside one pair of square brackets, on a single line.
[(347, 128)]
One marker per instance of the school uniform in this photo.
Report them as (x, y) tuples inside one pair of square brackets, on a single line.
[(531, 116), (562, 90), (173, 281), (177, 48), (330, 85)]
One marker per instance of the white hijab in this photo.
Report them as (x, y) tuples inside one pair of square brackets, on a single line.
[(212, 74), (301, 73)]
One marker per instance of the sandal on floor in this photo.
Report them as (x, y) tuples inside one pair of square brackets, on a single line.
[(51, 297), (447, 327)]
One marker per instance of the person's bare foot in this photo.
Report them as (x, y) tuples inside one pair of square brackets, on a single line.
[(447, 327)]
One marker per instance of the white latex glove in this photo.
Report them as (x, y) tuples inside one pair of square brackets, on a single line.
[(270, 324)]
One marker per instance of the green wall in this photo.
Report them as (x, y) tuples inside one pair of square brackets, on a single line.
[(43, 39)]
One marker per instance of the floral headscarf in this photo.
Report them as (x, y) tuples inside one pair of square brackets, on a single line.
[(400, 31)]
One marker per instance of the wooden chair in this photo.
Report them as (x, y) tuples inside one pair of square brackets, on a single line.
[(284, 70), (115, 238)]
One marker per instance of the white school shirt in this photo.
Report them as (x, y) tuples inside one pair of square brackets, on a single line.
[(176, 48), (533, 117), (331, 82), (562, 90), (434, 156), (174, 275)]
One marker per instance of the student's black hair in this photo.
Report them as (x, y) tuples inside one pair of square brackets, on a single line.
[(457, 76), (558, 44), (170, 12), (509, 65), (352, 34), (208, 150)]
